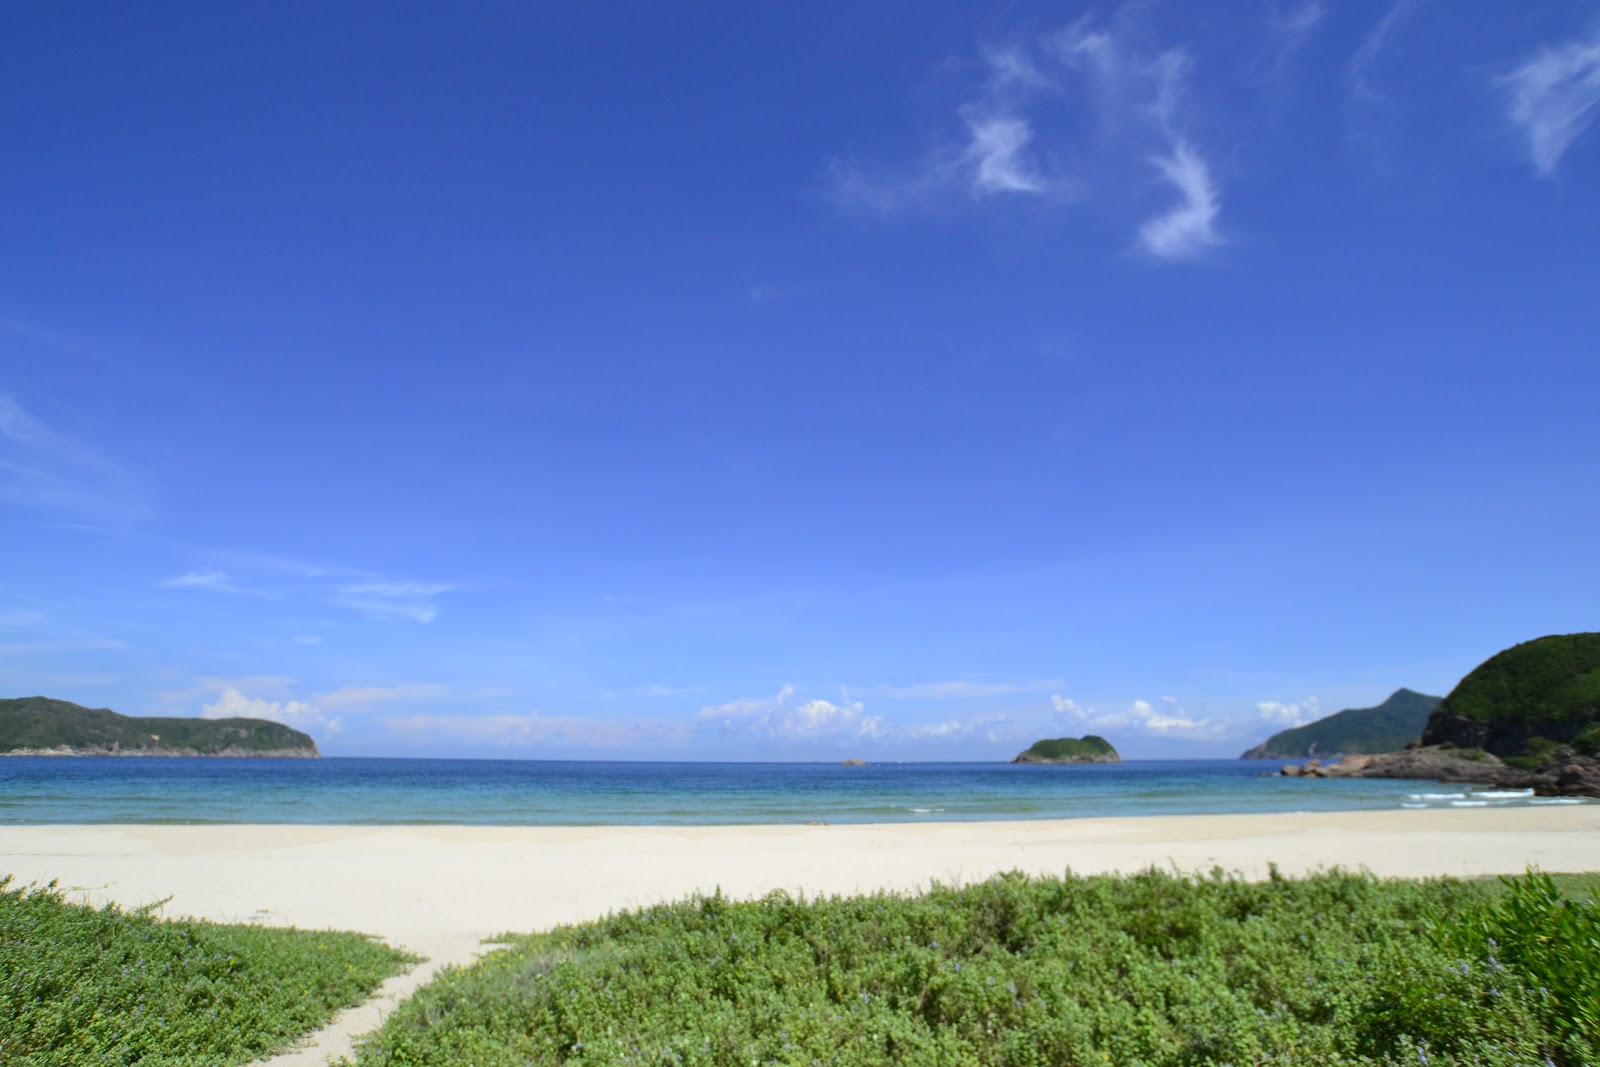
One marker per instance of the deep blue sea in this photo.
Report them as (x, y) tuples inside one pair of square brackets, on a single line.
[(556, 793)]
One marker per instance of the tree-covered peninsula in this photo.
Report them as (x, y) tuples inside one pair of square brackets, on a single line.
[(1086, 749), (40, 726), (1392, 725), (1525, 718), (1530, 699)]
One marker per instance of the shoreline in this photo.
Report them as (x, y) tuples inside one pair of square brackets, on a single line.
[(441, 891), (402, 880)]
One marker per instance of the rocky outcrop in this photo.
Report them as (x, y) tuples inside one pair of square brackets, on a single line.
[(1028, 757), (1567, 773)]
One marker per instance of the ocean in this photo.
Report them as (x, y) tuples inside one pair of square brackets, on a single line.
[(593, 793)]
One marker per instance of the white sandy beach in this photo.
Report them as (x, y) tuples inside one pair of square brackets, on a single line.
[(440, 891)]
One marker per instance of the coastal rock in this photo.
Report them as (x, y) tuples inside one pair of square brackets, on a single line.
[(853, 762), (1574, 775), (161, 750)]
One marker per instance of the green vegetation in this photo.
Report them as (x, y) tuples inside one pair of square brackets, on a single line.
[(82, 985), (1548, 687), (1086, 749), (1390, 726), (1156, 969), (43, 723)]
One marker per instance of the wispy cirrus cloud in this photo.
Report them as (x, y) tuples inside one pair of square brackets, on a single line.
[(1360, 77), (393, 601), (214, 581), (372, 595), (1366, 106), (1552, 97), (1190, 228), (1290, 29), (997, 154), (43, 469), (1095, 94)]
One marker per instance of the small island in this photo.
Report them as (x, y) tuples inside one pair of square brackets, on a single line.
[(1086, 749), (41, 726)]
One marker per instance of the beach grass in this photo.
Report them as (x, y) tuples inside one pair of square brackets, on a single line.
[(1154, 969), (86, 985)]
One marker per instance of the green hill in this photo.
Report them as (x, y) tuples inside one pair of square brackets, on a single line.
[(40, 724), (1532, 696), (1087, 749), (1390, 726)]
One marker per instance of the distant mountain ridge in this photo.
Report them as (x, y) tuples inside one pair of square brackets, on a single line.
[(42, 726), (1390, 726)]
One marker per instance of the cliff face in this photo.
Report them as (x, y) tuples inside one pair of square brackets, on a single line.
[(40, 726)]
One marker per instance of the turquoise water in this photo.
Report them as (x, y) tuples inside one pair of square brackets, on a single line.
[(554, 793)]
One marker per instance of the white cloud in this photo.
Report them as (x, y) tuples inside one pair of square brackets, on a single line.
[(388, 601), (1287, 715), (779, 717), (43, 469), (1164, 719), (1024, 115), (996, 155), (992, 727), (232, 704), (1553, 97), (1191, 227)]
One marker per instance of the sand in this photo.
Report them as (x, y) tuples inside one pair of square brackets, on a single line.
[(440, 891)]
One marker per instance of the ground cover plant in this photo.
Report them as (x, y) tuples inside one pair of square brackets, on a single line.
[(1154, 969), (84, 985)]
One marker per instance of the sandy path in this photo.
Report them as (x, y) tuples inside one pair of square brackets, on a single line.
[(440, 891)]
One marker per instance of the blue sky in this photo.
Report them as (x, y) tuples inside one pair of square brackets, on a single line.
[(901, 381)]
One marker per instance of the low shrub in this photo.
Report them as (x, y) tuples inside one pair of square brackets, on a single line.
[(1155, 969), (83, 985)]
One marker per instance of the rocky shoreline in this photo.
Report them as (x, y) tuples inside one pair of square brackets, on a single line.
[(157, 750), (1106, 757), (1564, 773)]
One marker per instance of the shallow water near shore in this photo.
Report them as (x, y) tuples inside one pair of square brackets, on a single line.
[(593, 793)]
